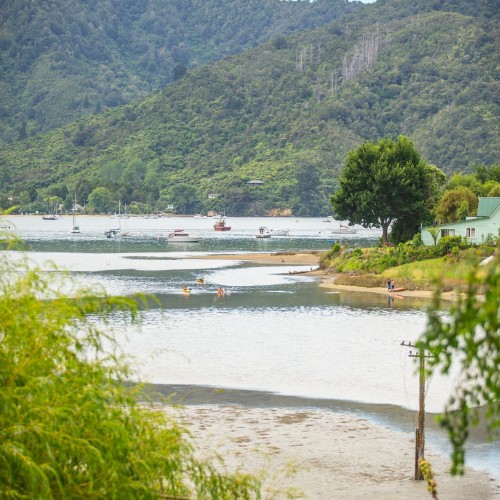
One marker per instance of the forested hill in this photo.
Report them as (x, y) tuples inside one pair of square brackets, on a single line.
[(285, 113), (61, 59)]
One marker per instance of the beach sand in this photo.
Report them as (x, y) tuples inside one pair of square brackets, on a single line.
[(320, 454), (278, 258)]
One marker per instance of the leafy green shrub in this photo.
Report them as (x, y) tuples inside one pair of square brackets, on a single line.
[(69, 427), (336, 248), (446, 244)]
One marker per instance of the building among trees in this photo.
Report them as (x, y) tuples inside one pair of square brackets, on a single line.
[(475, 229)]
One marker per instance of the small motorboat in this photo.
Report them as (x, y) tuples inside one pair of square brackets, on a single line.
[(343, 230), (263, 232), (279, 232), (180, 236)]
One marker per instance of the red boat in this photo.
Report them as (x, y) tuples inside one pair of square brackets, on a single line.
[(220, 225)]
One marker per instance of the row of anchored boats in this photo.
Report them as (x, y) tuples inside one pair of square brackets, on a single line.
[(181, 236)]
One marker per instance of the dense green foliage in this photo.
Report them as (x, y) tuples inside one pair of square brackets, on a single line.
[(285, 113), (460, 197), (384, 183), (471, 335), (67, 58), (378, 259), (68, 426), (456, 204)]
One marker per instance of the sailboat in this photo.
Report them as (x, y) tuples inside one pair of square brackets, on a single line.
[(118, 232), (121, 215), (76, 227), (53, 215)]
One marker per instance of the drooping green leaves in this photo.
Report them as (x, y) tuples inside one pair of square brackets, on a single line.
[(69, 427), (471, 338)]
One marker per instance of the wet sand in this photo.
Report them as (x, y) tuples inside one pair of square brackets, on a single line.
[(278, 258), (320, 454)]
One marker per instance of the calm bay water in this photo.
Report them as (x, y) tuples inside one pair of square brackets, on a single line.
[(275, 331)]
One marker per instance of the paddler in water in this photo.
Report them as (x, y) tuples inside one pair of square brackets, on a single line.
[(220, 291)]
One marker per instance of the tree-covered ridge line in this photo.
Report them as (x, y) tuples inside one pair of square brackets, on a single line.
[(286, 113), (68, 58)]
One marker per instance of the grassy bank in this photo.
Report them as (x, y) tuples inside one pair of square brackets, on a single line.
[(412, 265)]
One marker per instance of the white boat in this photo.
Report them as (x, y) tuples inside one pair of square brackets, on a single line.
[(279, 232), (180, 236), (263, 232), (343, 230)]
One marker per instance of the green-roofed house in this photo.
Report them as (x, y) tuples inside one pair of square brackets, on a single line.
[(475, 229)]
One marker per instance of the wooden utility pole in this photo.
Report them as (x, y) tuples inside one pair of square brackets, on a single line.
[(420, 431)]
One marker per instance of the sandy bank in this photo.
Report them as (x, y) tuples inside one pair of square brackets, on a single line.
[(320, 454), (425, 294), (327, 279), (279, 258)]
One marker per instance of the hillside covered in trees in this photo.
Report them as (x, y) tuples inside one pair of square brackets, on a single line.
[(285, 113), (67, 58)]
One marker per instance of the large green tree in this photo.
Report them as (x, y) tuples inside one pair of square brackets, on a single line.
[(382, 183), (100, 200)]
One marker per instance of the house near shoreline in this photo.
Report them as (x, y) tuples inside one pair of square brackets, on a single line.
[(475, 229)]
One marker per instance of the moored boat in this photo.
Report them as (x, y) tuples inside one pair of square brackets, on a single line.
[(263, 232), (76, 228), (343, 230), (180, 236), (220, 224)]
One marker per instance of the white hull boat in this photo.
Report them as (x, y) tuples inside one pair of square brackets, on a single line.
[(279, 232), (263, 233), (343, 230), (180, 236)]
